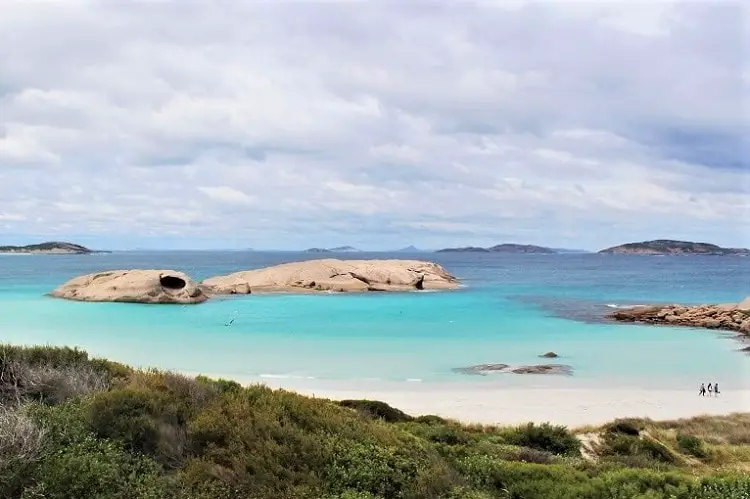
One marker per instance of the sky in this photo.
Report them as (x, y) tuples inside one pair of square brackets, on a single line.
[(287, 125)]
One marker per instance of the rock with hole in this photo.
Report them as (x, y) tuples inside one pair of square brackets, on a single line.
[(134, 286)]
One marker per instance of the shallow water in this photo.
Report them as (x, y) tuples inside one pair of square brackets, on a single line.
[(513, 308)]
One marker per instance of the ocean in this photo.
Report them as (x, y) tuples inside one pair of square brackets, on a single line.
[(511, 309)]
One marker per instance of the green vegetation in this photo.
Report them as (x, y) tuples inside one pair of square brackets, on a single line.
[(73, 427)]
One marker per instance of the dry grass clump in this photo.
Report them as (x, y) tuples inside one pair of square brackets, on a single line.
[(20, 437)]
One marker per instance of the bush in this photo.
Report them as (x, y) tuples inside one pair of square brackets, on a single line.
[(721, 487), (430, 419), (144, 421), (522, 480), (155, 434), (21, 441), (528, 455), (644, 451), (377, 410), (266, 443), (96, 469), (629, 427), (646, 484), (46, 374), (545, 437), (657, 451), (48, 356), (692, 445), (383, 471)]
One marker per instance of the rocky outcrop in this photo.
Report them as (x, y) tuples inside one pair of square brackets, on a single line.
[(549, 355), (332, 275), (730, 317), (135, 286), (485, 369)]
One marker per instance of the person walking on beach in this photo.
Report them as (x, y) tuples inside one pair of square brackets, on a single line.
[(702, 391), (710, 389), (716, 389)]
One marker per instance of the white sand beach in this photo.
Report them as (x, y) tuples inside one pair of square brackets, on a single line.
[(489, 403)]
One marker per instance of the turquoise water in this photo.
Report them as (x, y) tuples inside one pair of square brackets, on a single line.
[(513, 308)]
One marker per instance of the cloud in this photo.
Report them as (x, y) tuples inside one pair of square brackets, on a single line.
[(376, 123), (224, 194)]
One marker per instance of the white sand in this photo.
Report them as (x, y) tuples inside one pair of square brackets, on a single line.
[(488, 403)]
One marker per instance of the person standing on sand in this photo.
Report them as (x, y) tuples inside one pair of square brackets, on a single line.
[(710, 389), (716, 389), (702, 391)]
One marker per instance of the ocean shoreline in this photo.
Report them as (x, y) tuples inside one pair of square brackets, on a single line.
[(496, 403)]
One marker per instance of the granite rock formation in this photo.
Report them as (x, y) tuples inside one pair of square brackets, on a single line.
[(330, 275), (134, 286), (730, 317)]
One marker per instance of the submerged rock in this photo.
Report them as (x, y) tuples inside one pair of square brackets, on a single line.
[(336, 276), (485, 369), (481, 369), (135, 286), (559, 369)]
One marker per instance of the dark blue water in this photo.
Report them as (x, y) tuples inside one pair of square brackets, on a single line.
[(513, 308)]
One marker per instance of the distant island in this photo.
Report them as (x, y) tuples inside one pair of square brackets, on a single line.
[(501, 248), (670, 247), (51, 248), (409, 249), (337, 249)]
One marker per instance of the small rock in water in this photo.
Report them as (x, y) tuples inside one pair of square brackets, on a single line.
[(549, 355), (481, 369), (559, 369)]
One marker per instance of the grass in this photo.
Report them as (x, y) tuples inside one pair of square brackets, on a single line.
[(74, 427)]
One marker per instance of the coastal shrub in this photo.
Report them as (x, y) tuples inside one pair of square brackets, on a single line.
[(630, 427), (49, 375), (463, 492), (21, 441), (450, 434), (633, 451), (220, 385), (721, 487), (430, 419), (116, 371), (717, 430), (187, 394), (47, 355), (528, 455), (546, 437), (380, 470), (20, 436), (631, 483), (656, 450), (692, 445), (261, 441), (144, 421), (154, 434), (377, 410), (97, 469), (351, 494), (523, 480)]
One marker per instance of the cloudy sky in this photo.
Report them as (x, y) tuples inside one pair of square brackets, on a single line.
[(233, 124)]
